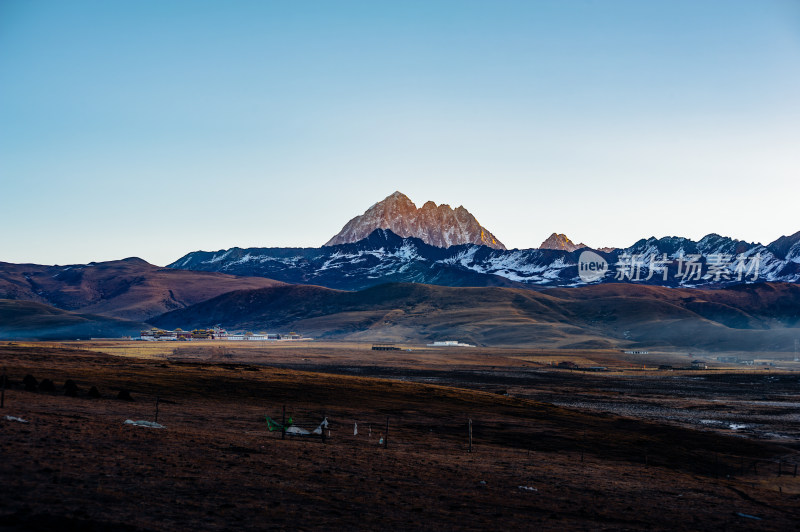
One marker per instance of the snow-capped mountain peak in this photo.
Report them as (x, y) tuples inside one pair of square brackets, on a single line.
[(383, 256)]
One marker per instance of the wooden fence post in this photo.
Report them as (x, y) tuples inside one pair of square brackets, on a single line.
[(470, 435), (156, 414), (583, 444), (386, 436), (283, 424), (3, 389)]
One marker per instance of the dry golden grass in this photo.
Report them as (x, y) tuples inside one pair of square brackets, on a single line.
[(215, 467)]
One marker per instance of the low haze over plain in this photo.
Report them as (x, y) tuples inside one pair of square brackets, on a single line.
[(155, 128)]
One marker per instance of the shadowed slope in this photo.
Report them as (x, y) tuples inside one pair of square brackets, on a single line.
[(753, 317), (130, 288), (30, 320)]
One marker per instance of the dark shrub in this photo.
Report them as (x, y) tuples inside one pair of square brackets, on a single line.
[(47, 385), (93, 392), (70, 388), (124, 395), (30, 383)]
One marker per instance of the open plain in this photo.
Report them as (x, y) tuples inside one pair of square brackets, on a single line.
[(551, 448)]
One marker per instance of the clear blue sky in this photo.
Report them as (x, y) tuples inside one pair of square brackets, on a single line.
[(155, 128)]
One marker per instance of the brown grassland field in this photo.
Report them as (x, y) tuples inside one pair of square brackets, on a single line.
[(550, 450)]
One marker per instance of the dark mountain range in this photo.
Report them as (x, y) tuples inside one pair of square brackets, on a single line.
[(131, 288), (437, 225), (381, 257), (30, 320), (713, 261), (745, 317)]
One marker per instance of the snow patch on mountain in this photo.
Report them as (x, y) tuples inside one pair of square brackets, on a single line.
[(384, 256)]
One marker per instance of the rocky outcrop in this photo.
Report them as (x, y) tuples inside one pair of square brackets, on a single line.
[(436, 225)]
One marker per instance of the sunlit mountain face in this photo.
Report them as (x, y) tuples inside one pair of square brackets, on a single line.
[(437, 225)]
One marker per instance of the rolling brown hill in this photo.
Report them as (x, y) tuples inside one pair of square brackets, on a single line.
[(31, 320), (754, 317), (131, 288)]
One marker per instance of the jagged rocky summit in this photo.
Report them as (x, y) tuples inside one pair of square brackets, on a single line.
[(436, 225), (560, 241)]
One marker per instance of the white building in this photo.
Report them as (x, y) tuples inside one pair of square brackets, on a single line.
[(449, 343)]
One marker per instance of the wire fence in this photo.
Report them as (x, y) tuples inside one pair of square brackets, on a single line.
[(463, 433), (479, 436)]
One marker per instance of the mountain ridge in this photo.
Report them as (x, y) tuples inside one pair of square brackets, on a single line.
[(386, 257), (129, 288)]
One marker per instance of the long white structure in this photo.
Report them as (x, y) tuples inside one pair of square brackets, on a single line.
[(449, 343)]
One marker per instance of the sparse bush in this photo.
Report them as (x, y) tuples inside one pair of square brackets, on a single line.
[(30, 383), (70, 388), (124, 395)]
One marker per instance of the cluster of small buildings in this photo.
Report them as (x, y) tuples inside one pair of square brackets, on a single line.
[(385, 347), (215, 333)]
